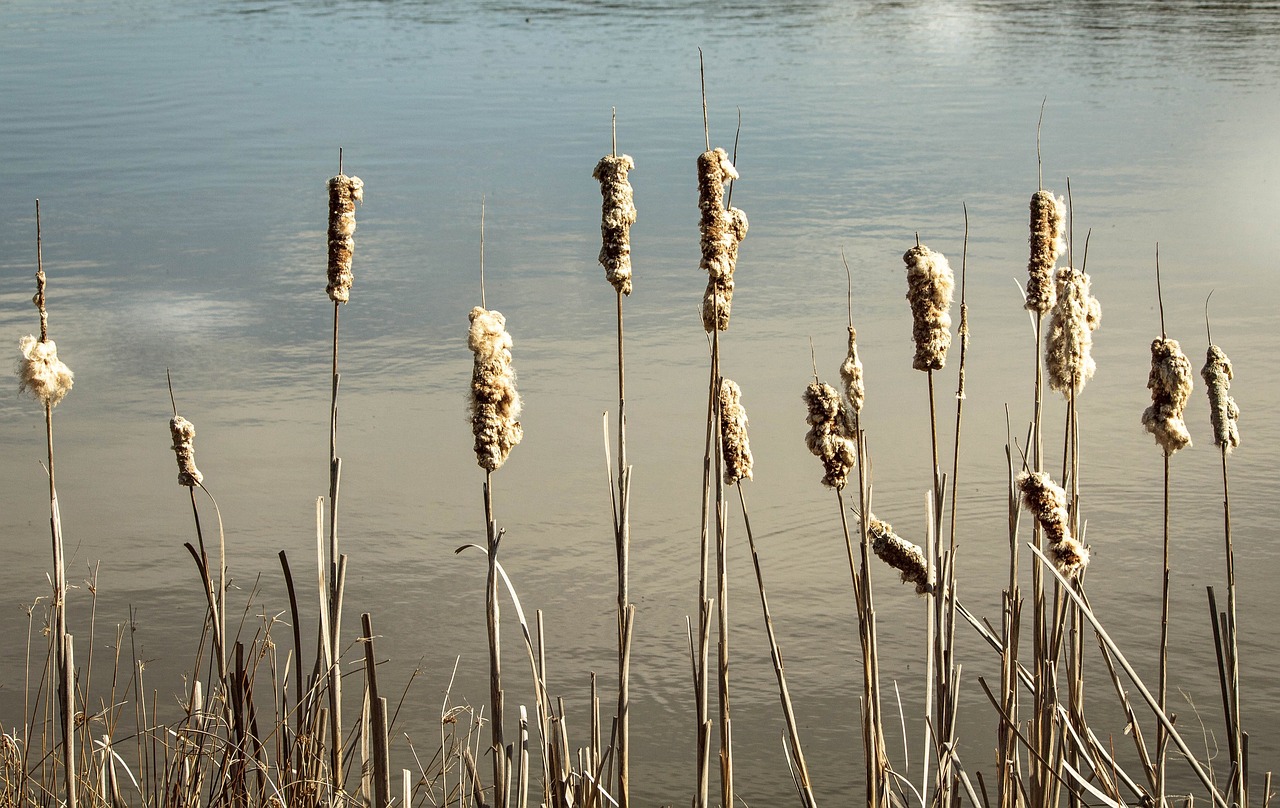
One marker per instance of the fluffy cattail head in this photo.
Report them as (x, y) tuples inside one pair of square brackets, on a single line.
[(930, 283), (721, 231), (1069, 343), (902, 555), (1170, 384), (41, 373), (733, 434), (184, 437), (1048, 214), (1047, 502), (830, 436), (495, 404), (1223, 412), (851, 375), (618, 213), (344, 193)]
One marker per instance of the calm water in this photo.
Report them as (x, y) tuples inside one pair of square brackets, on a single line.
[(180, 153)]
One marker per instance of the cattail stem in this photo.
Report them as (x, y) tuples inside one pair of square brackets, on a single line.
[(498, 743), (1162, 738)]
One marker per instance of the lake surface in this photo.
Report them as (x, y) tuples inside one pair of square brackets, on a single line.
[(180, 151)]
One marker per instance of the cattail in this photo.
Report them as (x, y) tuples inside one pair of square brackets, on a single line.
[(1068, 345), (930, 283), (1047, 502), (495, 404), (344, 193), (1048, 213), (721, 231), (617, 214), (830, 436), (902, 555), (1223, 412), (733, 434), (184, 437), (851, 375), (1170, 384), (41, 373)]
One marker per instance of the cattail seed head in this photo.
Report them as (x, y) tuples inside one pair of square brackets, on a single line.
[(1170, 384), (495, 404), (184, 437), (830, 436), (344, 193), (930, 283), (902, 555), (733, 434), (1048, 215), (41, 373), (617, 214), (1223, 412), (1068, 345), (851, 375), (1047, 502), (722, 230)]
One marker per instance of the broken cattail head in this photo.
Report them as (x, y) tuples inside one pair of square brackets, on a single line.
[(830, 436), (41, 373), (184, 437), (1170, 384), (930, 283), (617, 214), (344, 193), (495, 404), (722, 230), (733, 434), (1068, 345), (1048, 216), (902, 555), (1047, 502), (851, 375), (1223, 412)]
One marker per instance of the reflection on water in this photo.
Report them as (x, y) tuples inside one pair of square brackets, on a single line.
[(180, 155)]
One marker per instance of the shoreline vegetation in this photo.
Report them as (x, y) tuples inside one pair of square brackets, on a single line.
[(282, 712)]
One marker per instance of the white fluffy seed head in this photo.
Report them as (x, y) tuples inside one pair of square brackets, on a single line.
[(721, 230), (1048, 217), (734, 443), (1069, 344), (930, 284), (183, 433), (851, 375), (1047, 502), (344, 194), (902, 555), (830, 436), (41, 373), (1223, 412), (494, 403), (1170, 385), (617, 214)]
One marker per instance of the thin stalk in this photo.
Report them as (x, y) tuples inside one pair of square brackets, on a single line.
[(498, 750)]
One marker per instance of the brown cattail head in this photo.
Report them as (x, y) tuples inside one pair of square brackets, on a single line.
[(733, 434), (1069, 343), (930, 283), (1223, 412), (184, 438), (617, 214), (344, 193), (1170, 384), (41, 373), (830, 436), (1047, 502), (1048, 215), (902, 555), (495, 404), (851, 375), (721, 231)]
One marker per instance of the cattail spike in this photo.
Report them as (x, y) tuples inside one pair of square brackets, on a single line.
[(722, 230), (1223, 411), (1047, 502), (618, 213), (1170, 385), (495, 404), (830, 436), (1047, 244), (902, 555), (930, 283), (183, 433), (344, 194), (1068, 345), (733, 434)]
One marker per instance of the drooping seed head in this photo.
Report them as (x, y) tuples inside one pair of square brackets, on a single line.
[(344, 193), (733, 434), (1068, 345), (830, 436), (1047, 502), (721, 230), (41, 373), (183, 433), (902, 555), (617, 214), (1048, 215), (851, 375), (1223, 412), (1170, 384), (930, 283), (495, 404)]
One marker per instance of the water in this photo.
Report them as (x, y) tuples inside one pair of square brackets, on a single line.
[(180, 152)]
